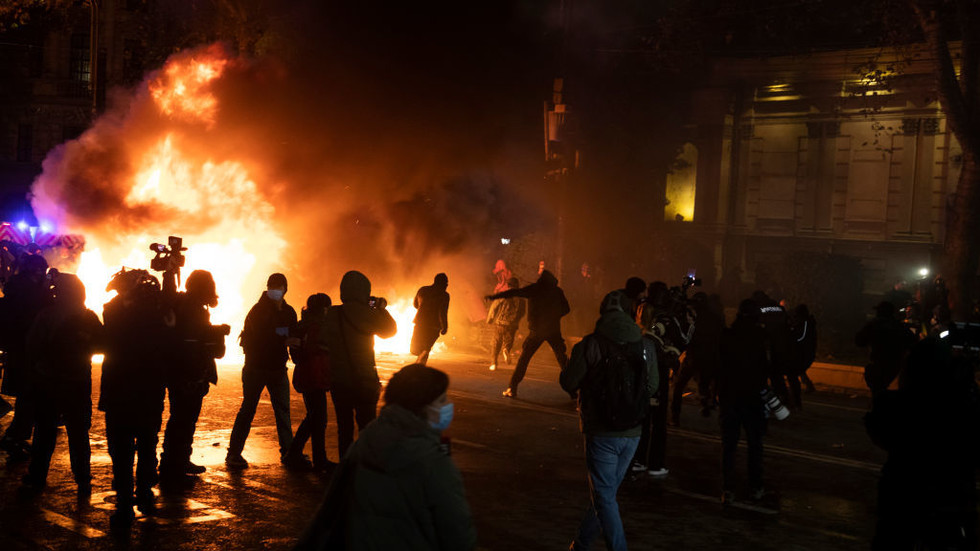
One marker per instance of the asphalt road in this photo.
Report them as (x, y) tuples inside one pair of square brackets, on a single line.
[(523, 467)]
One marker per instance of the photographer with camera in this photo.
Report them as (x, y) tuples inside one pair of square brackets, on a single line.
[(349, 333), (139, 334), (264, 337), (192, 372)]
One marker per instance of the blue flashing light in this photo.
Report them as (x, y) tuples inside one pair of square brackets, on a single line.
[(22, 226)]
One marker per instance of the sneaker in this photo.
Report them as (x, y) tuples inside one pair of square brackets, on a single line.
[(638, 467), (192, 468), (236, 461), (727, 498), (493, 367), (145, 501), (510, 393), (658, 473)]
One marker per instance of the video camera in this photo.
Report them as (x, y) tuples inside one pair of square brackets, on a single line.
[(169, 257)]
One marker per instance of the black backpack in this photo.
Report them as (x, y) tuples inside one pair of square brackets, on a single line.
[(615, 389)]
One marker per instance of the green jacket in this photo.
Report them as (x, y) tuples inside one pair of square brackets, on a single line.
[(395, 489), (619, 327)]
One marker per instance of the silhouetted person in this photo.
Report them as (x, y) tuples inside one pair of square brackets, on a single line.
[(657, 317), (889, 340), (397, 487), (740, 384), (350, 331), (191, 373), (60, 347), (311, 378), (803, 331), (24, 296), (702, 359), (503, 274), (267, 327), (504, 316), (610, 440), (634, 290), (773, 318), (930, 428), (138, 338), (432, 318), (581, 292), (546, 304)]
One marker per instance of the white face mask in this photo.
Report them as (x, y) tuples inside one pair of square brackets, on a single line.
[(275, 294)]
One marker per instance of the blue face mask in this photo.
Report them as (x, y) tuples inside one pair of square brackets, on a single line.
[(275, 294), (445, 417)]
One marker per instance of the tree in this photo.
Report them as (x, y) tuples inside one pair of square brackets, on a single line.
[(940, 20)]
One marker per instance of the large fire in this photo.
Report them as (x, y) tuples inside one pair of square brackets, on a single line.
[(215, 205)]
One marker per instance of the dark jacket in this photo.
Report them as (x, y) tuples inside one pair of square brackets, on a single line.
[(804, 333), (198, 344), (265, 349), (507, 311), (23, 299), (432, 303), (744, 368), (312, 357), (394, 489), (889, 340), (61, 342), (546, 304), (349, 333), (618, 327), (137, 343)]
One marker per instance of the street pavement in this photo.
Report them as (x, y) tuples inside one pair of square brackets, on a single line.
[(523, 467)]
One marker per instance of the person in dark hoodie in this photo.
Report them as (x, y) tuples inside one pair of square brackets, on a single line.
[(546, 304), (397, 487), (138, 332), (432, 318), (311, 378), (740, 383), (349, 331), (267, 328), (608, 450), (930, 428), (60, 347)]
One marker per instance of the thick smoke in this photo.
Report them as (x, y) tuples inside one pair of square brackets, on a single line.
[(387, 161)]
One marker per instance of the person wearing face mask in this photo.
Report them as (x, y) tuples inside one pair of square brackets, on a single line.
[(264, 339), (397, 488)]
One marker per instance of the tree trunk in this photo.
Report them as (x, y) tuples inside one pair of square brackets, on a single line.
[(961, 247)]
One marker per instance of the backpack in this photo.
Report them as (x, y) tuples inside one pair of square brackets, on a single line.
[(615, 388)]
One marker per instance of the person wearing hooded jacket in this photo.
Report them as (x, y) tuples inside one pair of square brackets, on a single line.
[(267, 327), (397, 487), (546, 304), (608, 452), (432, 318), (349, 331)]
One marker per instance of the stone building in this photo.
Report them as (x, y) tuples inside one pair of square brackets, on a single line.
[(840, 156)]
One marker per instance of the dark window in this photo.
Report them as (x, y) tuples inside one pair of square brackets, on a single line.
[(80, 63), (25, 143)]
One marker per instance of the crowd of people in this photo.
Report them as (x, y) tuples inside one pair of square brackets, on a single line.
[(395, 485)]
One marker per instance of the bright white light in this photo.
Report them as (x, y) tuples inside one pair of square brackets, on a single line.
[(504, 241), (22, 226), (923, 272), (45, 227), (944, 334)]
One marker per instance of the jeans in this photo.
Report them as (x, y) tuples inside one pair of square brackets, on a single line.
[(531, 345), (607, 458), (253, 381), (351, 403), (313, 428)]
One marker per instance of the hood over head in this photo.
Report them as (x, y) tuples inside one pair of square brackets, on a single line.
[(618, 326), (547, 278), (355, 287)]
